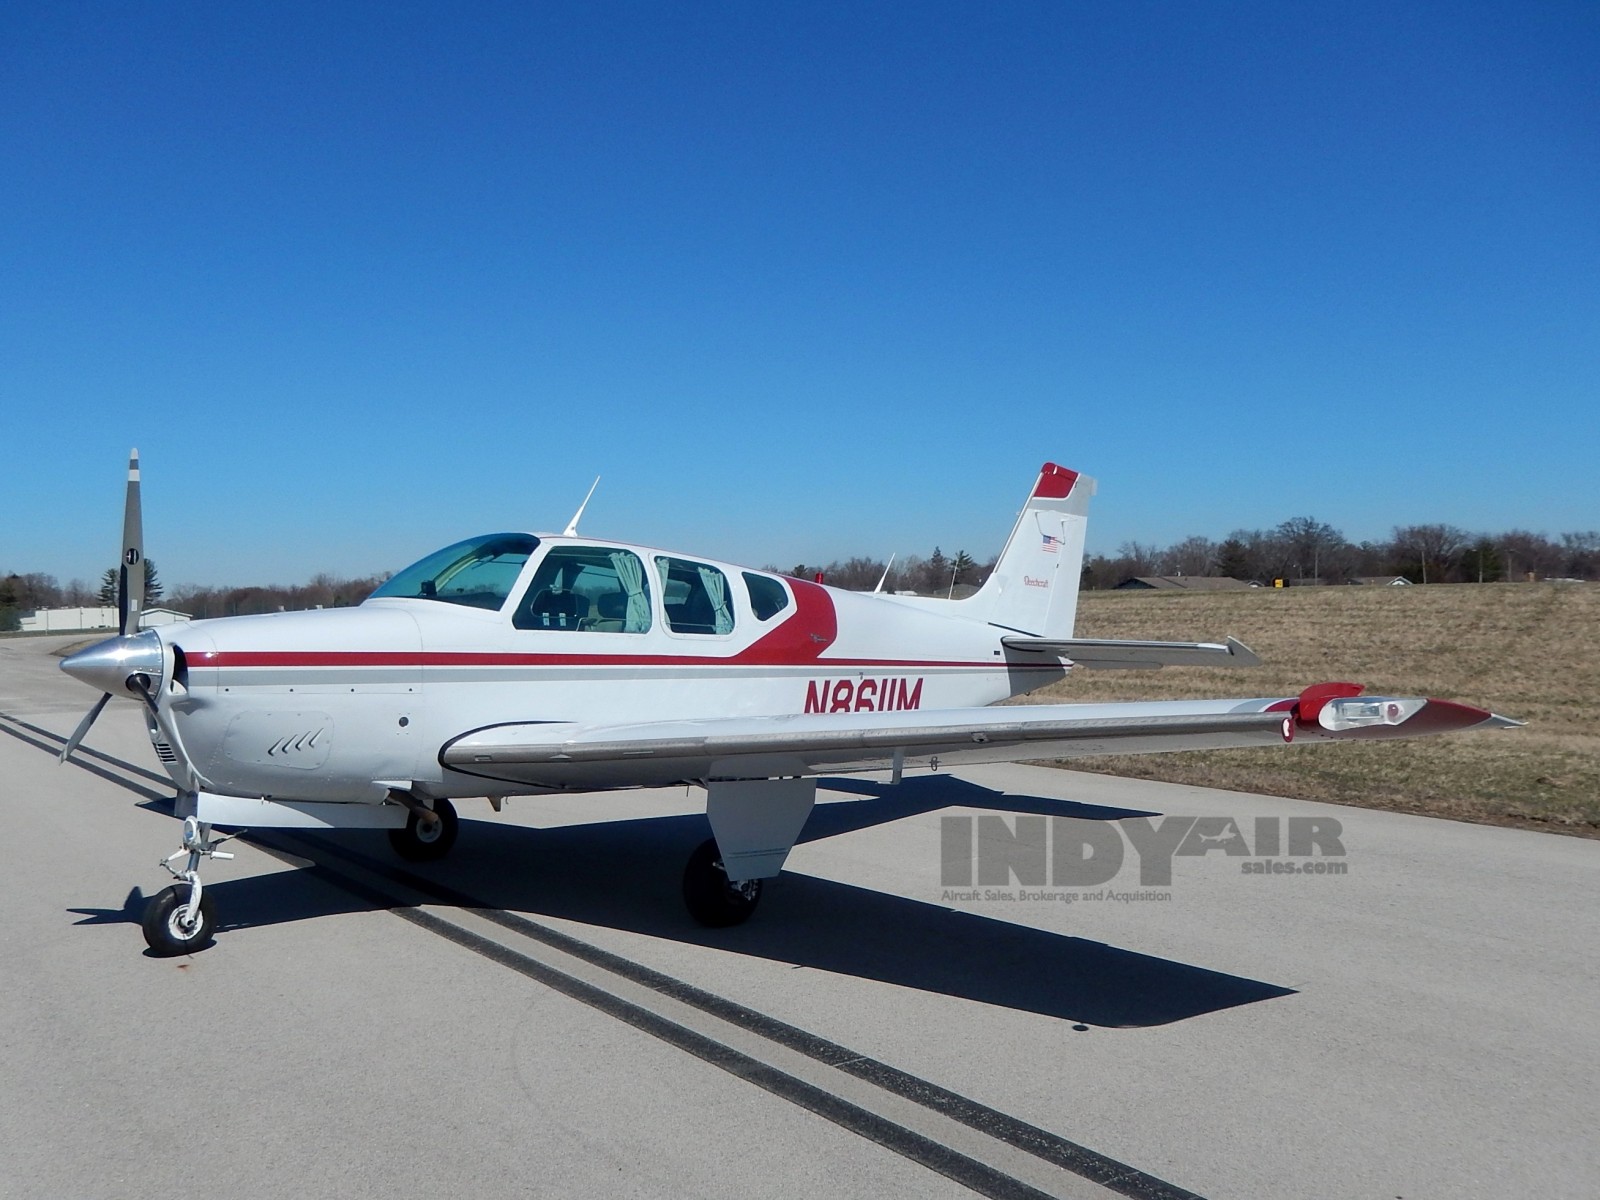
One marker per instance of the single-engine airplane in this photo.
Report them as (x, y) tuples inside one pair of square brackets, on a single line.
[(527, 664)]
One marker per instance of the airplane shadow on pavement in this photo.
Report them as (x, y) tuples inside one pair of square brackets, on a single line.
[(626, 874)]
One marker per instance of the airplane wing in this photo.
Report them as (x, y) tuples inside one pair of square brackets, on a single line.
[(1106, 654), (565, 755)]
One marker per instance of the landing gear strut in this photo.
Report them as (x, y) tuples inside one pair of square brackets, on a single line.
[(713, 899), (180, 918)]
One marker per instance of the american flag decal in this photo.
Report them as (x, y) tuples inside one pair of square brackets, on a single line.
[(1052, 545)]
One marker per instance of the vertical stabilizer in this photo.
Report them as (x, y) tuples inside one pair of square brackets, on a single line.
[(1034, 586)]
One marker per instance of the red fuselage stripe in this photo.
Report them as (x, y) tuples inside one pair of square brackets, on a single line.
[(411, 658)]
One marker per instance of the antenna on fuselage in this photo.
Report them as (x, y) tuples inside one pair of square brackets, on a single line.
[(885, 578), (572, 525)]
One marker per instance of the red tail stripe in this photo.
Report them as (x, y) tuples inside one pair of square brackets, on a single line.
[(1055, 483)]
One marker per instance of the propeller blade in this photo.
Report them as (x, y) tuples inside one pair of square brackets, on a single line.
[(83, 727), (130, 589)]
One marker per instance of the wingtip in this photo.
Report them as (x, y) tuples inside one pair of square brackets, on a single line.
[(1496, 721), (1451, 716)]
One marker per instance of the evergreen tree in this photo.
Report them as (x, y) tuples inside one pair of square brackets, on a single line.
[(112, 579), (10, 616), (1482, 561), (1233, 559)]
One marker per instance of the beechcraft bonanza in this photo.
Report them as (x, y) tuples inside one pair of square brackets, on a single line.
[(528, 664)]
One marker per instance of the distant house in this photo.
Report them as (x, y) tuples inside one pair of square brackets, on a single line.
[(1182, 583), (1383, 580)]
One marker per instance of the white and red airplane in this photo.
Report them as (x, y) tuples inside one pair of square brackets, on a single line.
[(526, 664)]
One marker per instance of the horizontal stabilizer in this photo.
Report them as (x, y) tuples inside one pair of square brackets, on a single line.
[(1107, 654)]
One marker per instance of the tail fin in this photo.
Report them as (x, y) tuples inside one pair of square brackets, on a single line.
[(1034, 586)]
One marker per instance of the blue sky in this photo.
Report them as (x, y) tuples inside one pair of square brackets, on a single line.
[(799, 281)]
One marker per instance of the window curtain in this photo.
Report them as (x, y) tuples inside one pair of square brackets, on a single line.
[(717, 589), (631, 573)]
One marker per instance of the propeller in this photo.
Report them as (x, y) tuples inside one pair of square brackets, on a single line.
[(130, 602), (130, 584)]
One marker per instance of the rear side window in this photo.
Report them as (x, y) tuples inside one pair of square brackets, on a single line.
[(768, 597), (694, 597), (589, 589)]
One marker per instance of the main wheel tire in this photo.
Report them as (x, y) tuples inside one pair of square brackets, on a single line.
[(427, 843), (712, 899), (165, 930)]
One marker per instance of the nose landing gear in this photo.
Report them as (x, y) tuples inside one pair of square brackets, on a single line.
[(180, 919)]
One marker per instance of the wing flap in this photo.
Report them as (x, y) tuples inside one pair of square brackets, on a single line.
[(1109, 654)]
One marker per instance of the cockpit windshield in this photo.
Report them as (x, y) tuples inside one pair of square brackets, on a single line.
[(479, 572)]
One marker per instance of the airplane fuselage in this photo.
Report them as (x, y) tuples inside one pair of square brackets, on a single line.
[(345, 704)]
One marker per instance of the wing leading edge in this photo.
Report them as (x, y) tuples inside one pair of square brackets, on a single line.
[(557, 755)]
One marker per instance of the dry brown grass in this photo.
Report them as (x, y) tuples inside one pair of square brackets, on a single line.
[(1530, 651)]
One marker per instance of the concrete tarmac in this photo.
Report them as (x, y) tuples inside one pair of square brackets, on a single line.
[(538, 1015)]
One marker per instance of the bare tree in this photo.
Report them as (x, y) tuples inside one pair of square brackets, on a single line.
[(1581, 554), (1529, 553), (1141, 558), (1268, 556), (1428, 553), (1193, 556), (1308, 542)]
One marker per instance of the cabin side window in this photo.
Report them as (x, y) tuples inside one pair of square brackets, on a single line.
[(768, 597), (694, 597), (587, 589)]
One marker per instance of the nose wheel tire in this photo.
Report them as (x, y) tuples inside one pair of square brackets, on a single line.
[(713, 899), (167, 930), (427, 841)]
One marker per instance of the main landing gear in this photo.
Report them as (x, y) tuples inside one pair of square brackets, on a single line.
[(712, 898), (428, 834), (180, 918)]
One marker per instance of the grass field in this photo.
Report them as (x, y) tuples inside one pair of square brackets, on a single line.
[(1530, 651)]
